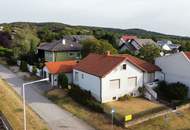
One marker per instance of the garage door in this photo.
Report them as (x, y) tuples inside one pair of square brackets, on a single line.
[(132, 82), (115, 83)]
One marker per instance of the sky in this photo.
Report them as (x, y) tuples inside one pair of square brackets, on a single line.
[(165, 16)]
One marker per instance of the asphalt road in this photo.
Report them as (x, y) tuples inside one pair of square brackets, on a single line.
[(55, 117)]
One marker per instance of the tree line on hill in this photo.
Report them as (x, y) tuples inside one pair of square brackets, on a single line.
[(23, 38)]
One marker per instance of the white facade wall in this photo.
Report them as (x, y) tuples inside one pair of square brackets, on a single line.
[(149, 77), (88, 82), (97, 86), (109, 93), (30, 68), (54, 78), (176, 68)]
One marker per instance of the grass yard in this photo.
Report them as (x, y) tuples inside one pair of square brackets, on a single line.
[(97, 120), (11, 106), (173, 121), (136, 106)]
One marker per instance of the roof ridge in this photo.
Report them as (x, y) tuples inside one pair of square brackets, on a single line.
[(57, 43)]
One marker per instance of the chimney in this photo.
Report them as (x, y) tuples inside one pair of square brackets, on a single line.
[(63, 41), (108, 53)]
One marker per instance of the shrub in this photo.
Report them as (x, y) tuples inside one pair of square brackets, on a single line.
[(84, 98), (63, 80), (173, 91), (6, 52), (141, 90), (124, 98), (11, 61), (34, 70), (23, 66)]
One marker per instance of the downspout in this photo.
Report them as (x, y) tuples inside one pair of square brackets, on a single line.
[(164, 75), (53, 56), (53, 79), (100, 89), (143, 79)]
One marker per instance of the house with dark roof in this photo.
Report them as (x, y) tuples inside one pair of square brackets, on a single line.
[(53, 69), (133, 44), (68, 48), (175, 68), (168, 46), (109, 77)]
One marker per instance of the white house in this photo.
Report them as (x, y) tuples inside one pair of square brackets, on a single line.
[(1, 28), (53, 69), (175, 68), (109, 77), (168, 46)]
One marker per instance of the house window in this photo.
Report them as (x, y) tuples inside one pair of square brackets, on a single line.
[(78, 54), (82, 76), (70, 54), (124, 66), (132, 82), (114, 98), (115, 83), (76, 76)]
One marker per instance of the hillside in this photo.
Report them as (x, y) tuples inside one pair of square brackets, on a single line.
[(49, 31), (60, 26)]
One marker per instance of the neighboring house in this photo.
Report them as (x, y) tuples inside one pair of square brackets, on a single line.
[(126, 38), (109, 77), (53, 69), (68, 48), (175, 68), (134, 44), (168, 46), (1, 28)]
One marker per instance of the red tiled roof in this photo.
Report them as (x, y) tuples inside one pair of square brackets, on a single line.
[(141, 64), (100, 65), (127, 37), (58, 67), (187, 54)]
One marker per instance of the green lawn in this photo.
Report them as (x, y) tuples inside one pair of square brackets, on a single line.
[(11, 106)]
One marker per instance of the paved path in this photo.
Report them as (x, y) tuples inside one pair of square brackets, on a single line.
[(55, 117)]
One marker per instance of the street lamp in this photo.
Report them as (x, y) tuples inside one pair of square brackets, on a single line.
[(112, 115), (24, 98)]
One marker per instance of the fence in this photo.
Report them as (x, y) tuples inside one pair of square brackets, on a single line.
[(152, 116), (39, 72), (5, 122)]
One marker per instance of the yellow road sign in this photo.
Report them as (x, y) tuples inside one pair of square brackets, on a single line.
[(128, 117)]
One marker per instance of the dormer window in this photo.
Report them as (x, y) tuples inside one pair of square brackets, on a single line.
[(124, 66)]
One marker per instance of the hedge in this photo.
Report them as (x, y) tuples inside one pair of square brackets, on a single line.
[(63, 80), (23, 66), (172, 91), (84, 97)]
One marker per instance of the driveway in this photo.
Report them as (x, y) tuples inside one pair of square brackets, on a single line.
[(55, 117)]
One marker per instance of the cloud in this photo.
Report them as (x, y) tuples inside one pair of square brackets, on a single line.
[(167, 16)]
